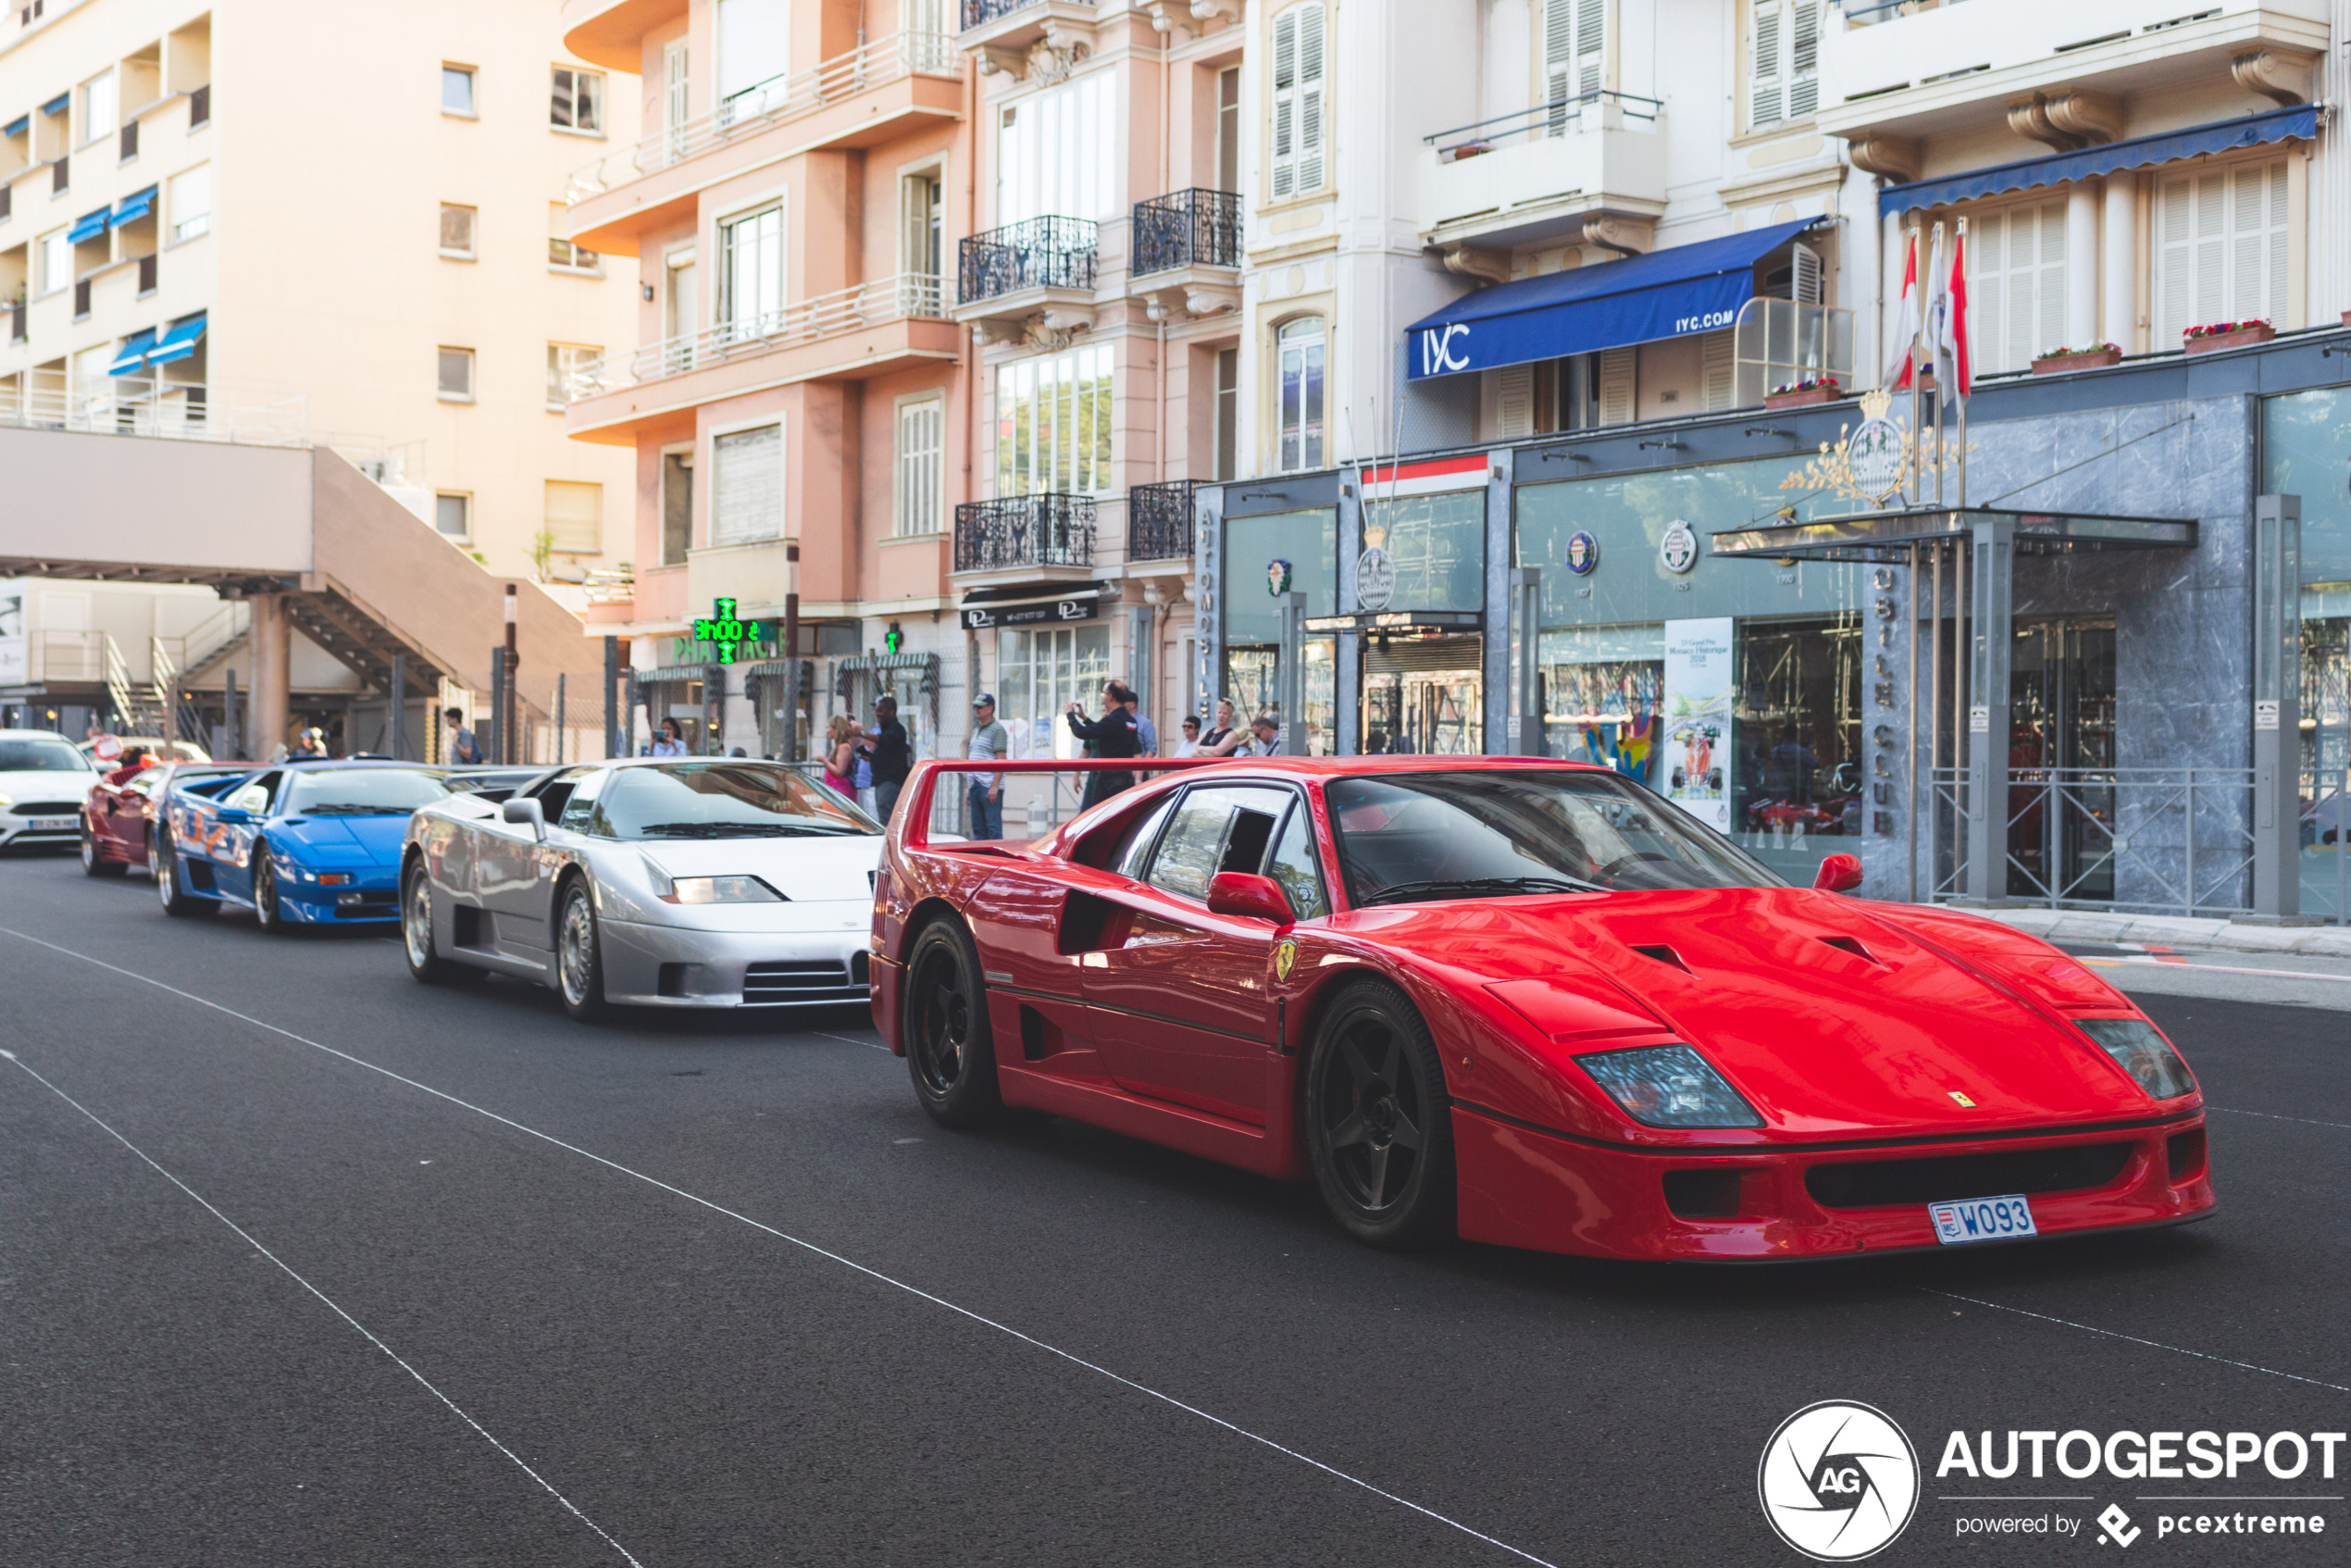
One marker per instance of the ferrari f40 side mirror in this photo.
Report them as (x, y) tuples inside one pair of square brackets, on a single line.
[(1249, 896), (1839, 874)]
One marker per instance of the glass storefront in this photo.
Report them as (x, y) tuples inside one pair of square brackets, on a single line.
[(2306, 450), (1251, 681), (1038, 674), (1796, 791), (1259, 552), (1424, 696), (1602, 687)]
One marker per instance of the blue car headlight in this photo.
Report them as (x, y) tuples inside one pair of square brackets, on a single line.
[(1669, 1086), (2139, 1051)]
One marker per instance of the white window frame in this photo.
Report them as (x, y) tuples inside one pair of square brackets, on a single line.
[(718, 479), (1572, 52), (564, 362), (773, 276), (88, 133), (661, 502), (189, 226), (1056, 151), (1066, 446), (584, 263), (1308, 457), (1998, 340), (567, 89), (473, 91), (473, 370), (546, 524), (676, 96), (2214, 269), (1784, 62), (471, 250), (919, 468), (464, 499), (1298, 124), (47, 279)]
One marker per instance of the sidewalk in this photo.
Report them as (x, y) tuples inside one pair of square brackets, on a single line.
[(2175, 931)]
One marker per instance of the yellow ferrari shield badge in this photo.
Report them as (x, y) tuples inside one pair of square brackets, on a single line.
[(1284, 955)]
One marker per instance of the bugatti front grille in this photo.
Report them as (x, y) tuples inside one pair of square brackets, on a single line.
[(800, 980)]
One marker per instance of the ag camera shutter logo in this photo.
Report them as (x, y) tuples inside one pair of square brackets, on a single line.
[(1839, 1481)]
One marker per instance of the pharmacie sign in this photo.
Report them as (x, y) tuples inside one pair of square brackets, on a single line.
[(724, 631)]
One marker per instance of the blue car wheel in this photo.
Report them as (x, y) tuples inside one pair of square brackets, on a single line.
[(176, 900)]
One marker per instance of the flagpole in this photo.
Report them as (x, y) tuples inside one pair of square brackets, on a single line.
[(1930, 298), (1918, 337), (1958, 255)]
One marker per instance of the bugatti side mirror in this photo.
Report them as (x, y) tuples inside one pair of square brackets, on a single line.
[(1251, 897), (1839, 874), (529, 812)]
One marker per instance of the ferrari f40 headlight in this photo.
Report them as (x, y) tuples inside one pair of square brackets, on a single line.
[(1669, 1086), (721, 890), (2139, 1051)]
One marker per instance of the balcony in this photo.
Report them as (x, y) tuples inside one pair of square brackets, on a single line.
[(1023, 531), (1544, 173), (1041, 265), (149, 405), (1007, 33), (1897, 72), (1159, 521), (611, 33), (856, 334), (885, 89), (1187, 253)]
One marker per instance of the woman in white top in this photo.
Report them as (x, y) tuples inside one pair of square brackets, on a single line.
[(1189, 745)]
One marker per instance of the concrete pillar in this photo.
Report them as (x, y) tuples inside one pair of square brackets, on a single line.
[(2277, 708), (2081, 264), (1525, 694), (2119, 262), (1500, 466), (1992, 599), (1289, 679), (1346, 666), (272, 644)]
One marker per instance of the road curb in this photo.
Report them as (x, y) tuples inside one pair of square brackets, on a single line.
[(2177, 931)]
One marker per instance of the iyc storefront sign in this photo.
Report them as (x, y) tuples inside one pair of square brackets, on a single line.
[(726, 633)]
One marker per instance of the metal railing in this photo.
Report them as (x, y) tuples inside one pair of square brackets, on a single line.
[(611, 585), (2155, 840), (976, 12), (775, 101), (1048, 529), (1869, 13), (64, 655), (909, 294), (1780, 343), (144, 405), (1159, 520), (1037, 253), (1558, 118), (1195, 227)]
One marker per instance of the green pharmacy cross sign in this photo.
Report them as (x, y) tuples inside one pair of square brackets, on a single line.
[(722, 629)]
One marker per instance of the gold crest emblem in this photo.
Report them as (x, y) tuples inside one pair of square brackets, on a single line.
[(1284, 956)]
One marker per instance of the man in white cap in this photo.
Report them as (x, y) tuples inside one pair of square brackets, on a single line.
[(985, 794)]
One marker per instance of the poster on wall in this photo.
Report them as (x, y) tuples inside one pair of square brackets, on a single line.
[(1698, 719), (11, 639)]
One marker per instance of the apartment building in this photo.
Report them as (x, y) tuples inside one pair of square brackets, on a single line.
[(257, 220)]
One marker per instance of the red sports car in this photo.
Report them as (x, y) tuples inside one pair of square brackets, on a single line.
[(1526, 1002), (116, 820)]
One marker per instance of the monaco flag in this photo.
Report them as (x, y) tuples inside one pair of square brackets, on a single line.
[(1952, 367), (1900, 341)]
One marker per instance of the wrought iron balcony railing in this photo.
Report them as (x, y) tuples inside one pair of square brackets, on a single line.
[(976, 12), (1039, 253), (1188, 229), (1049, 530), (1159, 520)]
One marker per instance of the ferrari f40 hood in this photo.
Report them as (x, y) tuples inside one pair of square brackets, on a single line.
[(1833, 1021)]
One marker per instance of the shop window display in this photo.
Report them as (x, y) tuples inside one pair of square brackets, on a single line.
[(2326, 760), (1438, 543), (1797, 786), (1252, 681), (1038, 674), (1602, 687)]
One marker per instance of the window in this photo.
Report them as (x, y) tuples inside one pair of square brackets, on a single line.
[(1228, 129), (2016, 284), (675, 82), (747, 499), (1295, 865), (456, 375), (564, 362), (1038, 674), (99, 116), (561, 252), (1784, 80), (751, 274), (453, 515), (1216, 830), (754, 49), (55, 256), (456, 230), (577, 101), (575, 517), (457, 91), (1299, 354), (1576, 51), (1228, 411), (2220, 249), (922, 456), (1054, 424), (1055, 151), (1298, 100), (191, 204), (925, 211), (677, 506)]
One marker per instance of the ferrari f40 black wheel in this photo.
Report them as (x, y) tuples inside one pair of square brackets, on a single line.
[(1379, 1122), (950, 1052)]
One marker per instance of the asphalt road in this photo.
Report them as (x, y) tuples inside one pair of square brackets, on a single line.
[(302, 1263)]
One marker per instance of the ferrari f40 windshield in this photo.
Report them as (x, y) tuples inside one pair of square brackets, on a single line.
[(722, 800), (364, 791), (1405, 836)]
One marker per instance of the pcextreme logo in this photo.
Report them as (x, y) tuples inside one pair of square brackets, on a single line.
[(1839, 1481)]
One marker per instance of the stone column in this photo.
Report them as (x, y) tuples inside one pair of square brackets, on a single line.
[(1990, 637), (272, 643), (1290, 678), (2080, 265), (1500, 466), (2276, 716), (2119, 261)]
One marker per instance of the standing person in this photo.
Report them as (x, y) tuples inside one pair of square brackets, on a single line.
[(464, 750), (1113, 734), (893, 754), (1189, 745), (1143, 725), (985, 794), (1226, 737), (670, 742), (840, 756)]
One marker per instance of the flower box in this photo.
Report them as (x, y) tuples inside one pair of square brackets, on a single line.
[(2087, 360), (1806, 398), (2237, 337)]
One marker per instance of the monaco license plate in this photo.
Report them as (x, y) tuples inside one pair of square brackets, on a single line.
[(53, 825), (1981, 1219)]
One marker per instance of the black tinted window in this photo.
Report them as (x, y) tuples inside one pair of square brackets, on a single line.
[(1224, 827)]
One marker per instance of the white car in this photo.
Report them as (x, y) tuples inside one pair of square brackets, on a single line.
[(648, 882), (43, 782)]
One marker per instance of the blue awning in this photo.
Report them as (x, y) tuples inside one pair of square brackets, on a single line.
[(2300, 122), (1667, 294), (18, 126), (179, 342), (56, 105), (133, 355), (90, 226), (135, 208)]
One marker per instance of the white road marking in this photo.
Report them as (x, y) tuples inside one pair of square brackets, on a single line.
[(2273, 1116), (851, 1263), (247, 1238), (2151, 1344), (868, 1044)]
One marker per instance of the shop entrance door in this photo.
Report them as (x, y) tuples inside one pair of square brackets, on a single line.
[(1424, 697), (2061, 755)]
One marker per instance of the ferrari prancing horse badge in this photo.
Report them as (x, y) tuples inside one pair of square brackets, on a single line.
[(1284, 954)]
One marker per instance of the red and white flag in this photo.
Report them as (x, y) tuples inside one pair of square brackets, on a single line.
[(1902, 337), (1953, 369)]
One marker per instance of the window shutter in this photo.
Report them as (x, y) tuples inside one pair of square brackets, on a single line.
[(1514, 401), (920, 427), (1804, 59), (2175, 262), (2211, 247), (1618, 385), (1310, 99), (1719, 375), (1591, 45), (2277, 257), (1808, 286), (2051, 284), (1559, 55), (1285, 103), (747, 499), (575, 515), (1765, 103)]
